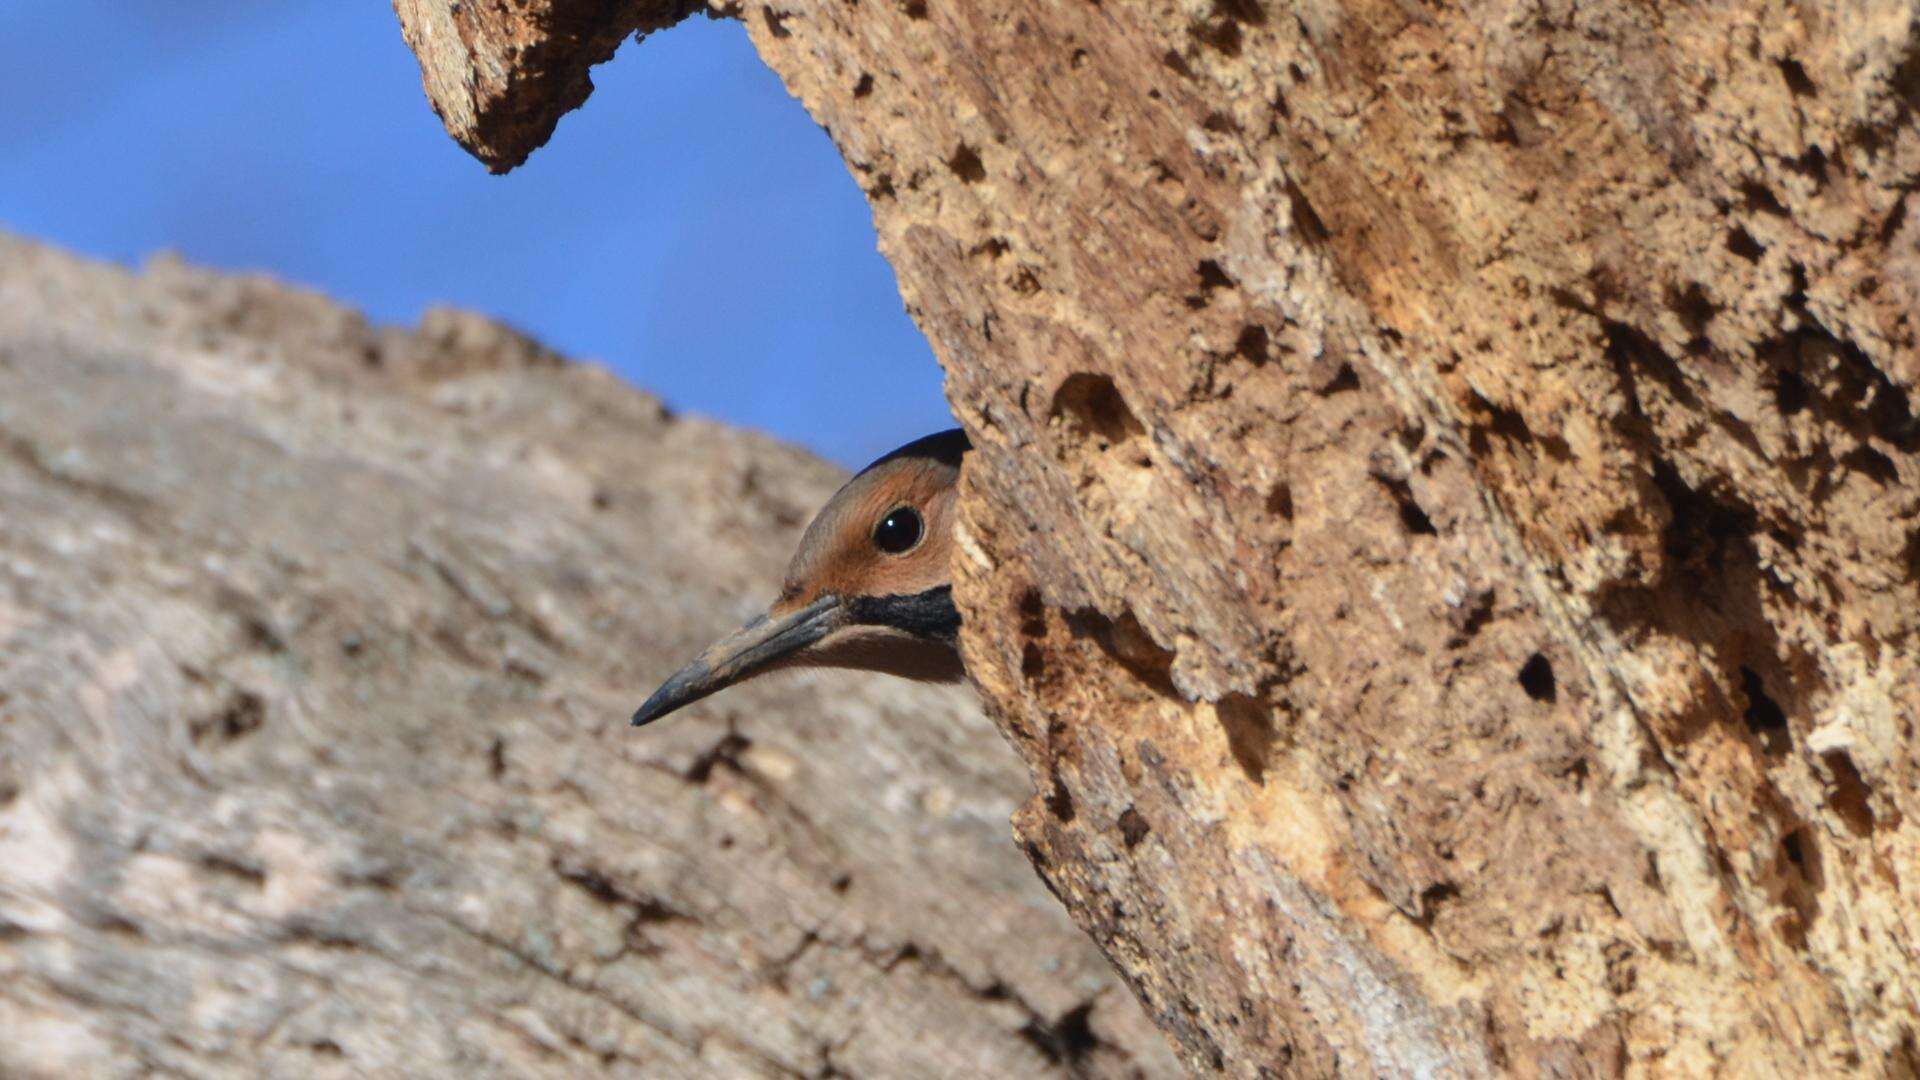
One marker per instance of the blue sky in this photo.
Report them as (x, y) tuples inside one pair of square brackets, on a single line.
[(690, 227)]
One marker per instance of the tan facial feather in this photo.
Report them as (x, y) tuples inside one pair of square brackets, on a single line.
[(838, 556)]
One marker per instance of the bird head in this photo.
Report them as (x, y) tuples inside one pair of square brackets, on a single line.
[(869, 588)]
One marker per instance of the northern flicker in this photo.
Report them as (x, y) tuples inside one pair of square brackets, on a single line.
[(869, 588)]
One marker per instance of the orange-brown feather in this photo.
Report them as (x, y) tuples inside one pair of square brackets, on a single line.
[(837, 555)]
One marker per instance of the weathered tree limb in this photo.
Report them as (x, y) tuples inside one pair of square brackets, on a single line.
[(1446, 527), (316, 647), (501, 74)]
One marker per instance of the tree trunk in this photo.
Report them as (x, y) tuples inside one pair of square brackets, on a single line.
[(317, 643), (1445, 529)]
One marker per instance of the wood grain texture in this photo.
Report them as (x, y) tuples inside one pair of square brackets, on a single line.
[(1445, 528), (317, 644)]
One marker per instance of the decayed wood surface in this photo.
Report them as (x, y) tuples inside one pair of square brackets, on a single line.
[(1446, 528), (502, 73), (317, 643)]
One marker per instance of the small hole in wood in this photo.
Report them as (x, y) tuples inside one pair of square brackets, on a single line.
[(1763, 716), (1536, 678)]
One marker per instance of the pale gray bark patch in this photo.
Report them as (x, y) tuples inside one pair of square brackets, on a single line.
[(317, 644)]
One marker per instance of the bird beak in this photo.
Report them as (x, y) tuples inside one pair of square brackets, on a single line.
[(756, 647)]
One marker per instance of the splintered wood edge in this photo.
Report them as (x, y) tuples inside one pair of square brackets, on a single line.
[(500, 78)]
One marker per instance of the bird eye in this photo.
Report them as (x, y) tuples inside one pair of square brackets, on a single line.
[(899, 531)]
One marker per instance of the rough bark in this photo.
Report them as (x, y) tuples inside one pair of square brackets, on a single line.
[(317, 642), (1445, 533), (500, 75)]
